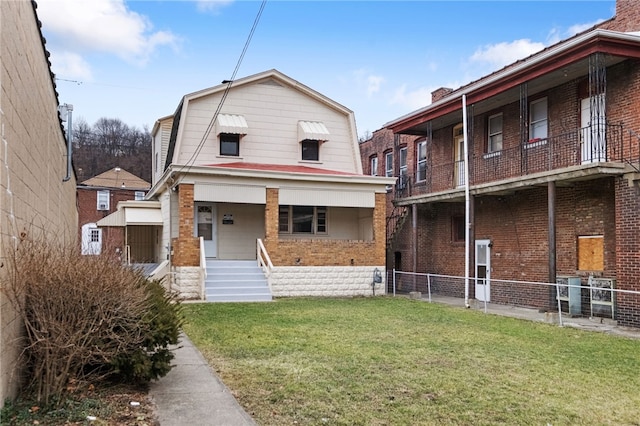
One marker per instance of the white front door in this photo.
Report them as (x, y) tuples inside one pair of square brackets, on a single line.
[(205, 221), (483, 270), (594, 144)]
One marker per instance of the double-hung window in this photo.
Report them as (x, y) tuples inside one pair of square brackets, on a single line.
[(388, 166), (538, 120), (302, 220), (421, 161), (373, 166), (139, 195), (495, 133), (103, 200), (404, 171), (230, 144)]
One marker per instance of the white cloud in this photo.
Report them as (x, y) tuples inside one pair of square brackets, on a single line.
[(370, 82), (414, 99), (212, 6), (107, 26), (578, 28), (501, 54), (71, 65)]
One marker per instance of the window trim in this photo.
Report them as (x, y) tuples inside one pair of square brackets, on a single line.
[(319, 220), (491, 135)]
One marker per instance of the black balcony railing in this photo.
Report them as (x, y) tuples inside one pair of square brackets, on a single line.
[(598, 143)]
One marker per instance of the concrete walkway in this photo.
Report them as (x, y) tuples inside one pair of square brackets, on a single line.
[(192, 394)]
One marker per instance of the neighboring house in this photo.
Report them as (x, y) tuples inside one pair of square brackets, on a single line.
[(266, 170), (99, 197), (37, 188), (554, 175)]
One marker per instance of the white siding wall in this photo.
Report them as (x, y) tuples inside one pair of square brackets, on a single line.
[(272, 113), (238, 241)]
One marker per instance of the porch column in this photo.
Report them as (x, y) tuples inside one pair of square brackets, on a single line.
[(551, 204), (186, 248), (414, 236), (271, 213)]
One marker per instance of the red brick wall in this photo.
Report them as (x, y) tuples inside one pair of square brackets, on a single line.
[(186, 248), (112, 237), (627, 230)]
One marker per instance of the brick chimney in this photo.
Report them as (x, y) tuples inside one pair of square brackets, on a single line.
[(627, 17), (440, 93)]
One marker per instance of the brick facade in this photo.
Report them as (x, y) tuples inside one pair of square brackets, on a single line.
[(186, 248), (516, 221)]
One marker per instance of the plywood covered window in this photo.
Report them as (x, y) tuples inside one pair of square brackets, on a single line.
[(591, 253)]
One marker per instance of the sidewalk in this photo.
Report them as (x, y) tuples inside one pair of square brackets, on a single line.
[(192, 394), (602, 325)]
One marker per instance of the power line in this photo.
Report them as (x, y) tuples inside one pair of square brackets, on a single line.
[(229, 82)]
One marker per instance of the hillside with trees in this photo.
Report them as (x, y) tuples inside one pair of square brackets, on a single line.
[(110, 143)]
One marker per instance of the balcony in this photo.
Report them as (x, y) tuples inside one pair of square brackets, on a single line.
[(583, 149)]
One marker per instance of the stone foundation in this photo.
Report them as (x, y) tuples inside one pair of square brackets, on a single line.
[(187, 282), (327, 281)]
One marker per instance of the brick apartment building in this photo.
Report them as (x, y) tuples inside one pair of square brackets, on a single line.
[(98, 197), (553, 176)]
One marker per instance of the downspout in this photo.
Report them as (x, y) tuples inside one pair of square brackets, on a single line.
[(467, 221), (69, 110)]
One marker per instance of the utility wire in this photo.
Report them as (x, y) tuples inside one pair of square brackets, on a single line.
[(211, 124)]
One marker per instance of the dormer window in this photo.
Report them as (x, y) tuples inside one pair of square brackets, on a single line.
[(230, 128)]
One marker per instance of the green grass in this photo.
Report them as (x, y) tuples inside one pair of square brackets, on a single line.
[(395, 361)]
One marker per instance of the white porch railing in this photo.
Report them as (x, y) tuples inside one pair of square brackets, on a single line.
[(264, 261), (203, 270)]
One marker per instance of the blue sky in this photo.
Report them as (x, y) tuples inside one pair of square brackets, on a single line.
[(134, 60)]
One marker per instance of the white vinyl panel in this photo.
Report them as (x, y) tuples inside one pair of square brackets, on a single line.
[(323, 197), (227, 193)]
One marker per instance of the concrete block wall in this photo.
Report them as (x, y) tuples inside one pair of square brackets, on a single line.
[(34, 200), (327, 281)]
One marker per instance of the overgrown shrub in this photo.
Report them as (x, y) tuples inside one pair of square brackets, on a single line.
[(88, 317)]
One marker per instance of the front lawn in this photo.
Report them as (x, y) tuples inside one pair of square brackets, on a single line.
[(395, 361)]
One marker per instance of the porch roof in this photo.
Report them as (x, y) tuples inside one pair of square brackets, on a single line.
[(140, 213)]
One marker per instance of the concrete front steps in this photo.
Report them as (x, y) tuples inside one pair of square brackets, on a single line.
[(236, 281)]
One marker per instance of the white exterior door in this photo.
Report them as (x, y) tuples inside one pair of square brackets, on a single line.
[(205, 227), (594, 144), (91, 239), (483, 270)]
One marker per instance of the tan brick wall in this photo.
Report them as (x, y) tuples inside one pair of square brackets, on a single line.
[(186, 248), (33, 198), (322, 252)]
